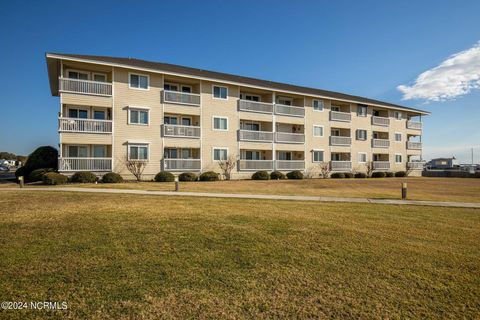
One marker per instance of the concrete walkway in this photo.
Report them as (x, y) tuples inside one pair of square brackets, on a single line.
[(256, 196)]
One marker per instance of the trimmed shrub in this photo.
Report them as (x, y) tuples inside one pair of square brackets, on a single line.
[(337, 175), (37, 174), (400, 174), (349, 175), (42, 157), (187, 176), (360, 175), (53, 178), (378, 174), (209, 176), (389, 174), (164, 176), (277, 175), (112, 177), (261, 175), (295, 175), (83, 177)]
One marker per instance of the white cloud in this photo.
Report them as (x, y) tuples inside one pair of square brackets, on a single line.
[(456, 76)]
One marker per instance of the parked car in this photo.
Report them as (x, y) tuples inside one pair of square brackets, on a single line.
[(4, 168)]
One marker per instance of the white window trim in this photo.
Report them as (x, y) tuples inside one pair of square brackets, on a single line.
[(243, 122), (243, 96), (286, 99), (400, 113), (213, 92), (366, 111), (138, 144), (100, 74), (219, 148), (313, 105), (72, 107), (366, 157), (356, 134), (213, 123), (130, 108), (96, 146), (139, 74), (401, 137), (313, 155), (78, 145), (319, 126), (401, 156), (88, 73)]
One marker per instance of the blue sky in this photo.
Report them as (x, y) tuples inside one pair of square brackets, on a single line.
[(365, 48)]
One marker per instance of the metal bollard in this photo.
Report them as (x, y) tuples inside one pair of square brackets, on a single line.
[(20, 181), (404, 190), (176, 184)]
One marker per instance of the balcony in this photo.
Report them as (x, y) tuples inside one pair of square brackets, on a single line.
[(412, 145), (380, 143), (380, 121), (341, 165), (381, 165), (85, 87), (246, 165), (340, 116), (84, 164), (340, 141), (249, 135), (179, 131), (414, 125), (176, 97), (292, 111), (284, 137), (181, 164), (253, 106), (416, 165), (289, 164), (84, 125)]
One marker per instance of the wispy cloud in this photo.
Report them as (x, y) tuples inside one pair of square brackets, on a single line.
[(456, 76)]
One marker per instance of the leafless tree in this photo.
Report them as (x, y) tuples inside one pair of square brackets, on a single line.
[(369, 168), (324, 168), (408, 170), (227, 166), (135, 167)]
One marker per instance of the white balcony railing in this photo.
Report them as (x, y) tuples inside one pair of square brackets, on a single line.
[(177, 97), (84, 164), (289, 137), (253, 106), (249, 135), (414, 125), (340, 141), (85, 86), (380, 143), (413, 145), (340, 116), (416, 165), (341, 165), (245, 165), (380, 121), (181, 164), (84, 125), (173, 130), (381, 165), (285, 110), (289, 164)]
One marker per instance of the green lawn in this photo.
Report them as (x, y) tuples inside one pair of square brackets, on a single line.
[(150, 257)]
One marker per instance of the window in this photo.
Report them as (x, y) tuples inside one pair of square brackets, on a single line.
[(251, 126), (336, 157), (78, 113), (77, 75), (398, 137), (317, 131), (220, 123), (138, 152), (170, 120), (99, 151), (335, 108), (220, 92), (220, 154), (138, 81), (397, 115), (361, 110), (398, 158), (317, 155), (318, 105), (361, 134), (186, 122), (186, 89), (171, 153), (100, 77), (77, 151), (138, 116), (170, 87), (285, 101), (250, 97), (284, 155), (335, 132), (362, 157), (99, 115), (186, 154), (252, 155)]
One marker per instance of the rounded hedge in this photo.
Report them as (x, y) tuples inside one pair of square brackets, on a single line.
[(83, 177), (400, 174), (360, 175), (261, 175), (389, 174), (112, 177), (295, 175), (37, 174), (378, 174), (337, 175), (349, 175), (53, 178), (209, 176), (187, 176), (42, 157), (164, 176), (277, 175)]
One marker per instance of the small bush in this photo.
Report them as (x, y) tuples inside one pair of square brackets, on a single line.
[(53, 178), (209, 176), (164, 176), (277, 175), (360, 175), (261, 175), (349, 175), (37, 174), (337, 175), (187, 176), (400, 174), (112, 177), (83, 177), (378, 174), (295, 175), (389, 174)]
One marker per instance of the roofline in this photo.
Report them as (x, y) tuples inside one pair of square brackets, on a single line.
[(121, 65)]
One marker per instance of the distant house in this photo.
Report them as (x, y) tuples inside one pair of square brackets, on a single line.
[(443, 163)]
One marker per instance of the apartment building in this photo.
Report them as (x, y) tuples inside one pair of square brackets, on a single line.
[(180, 119)]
